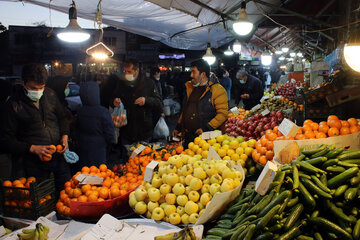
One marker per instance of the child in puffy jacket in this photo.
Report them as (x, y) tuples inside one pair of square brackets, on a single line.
[(95, 127)]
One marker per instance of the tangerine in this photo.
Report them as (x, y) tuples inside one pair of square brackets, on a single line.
[(92, 198), (59, 148), (82, 198), (333, 123), (85, 188), (77, 192), (104, 192), (115, 192), (7, 183), (52, 148), (103, 168), (85, 170)]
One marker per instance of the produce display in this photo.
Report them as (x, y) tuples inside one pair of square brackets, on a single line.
[(320, 91), (37, 233), (182, 187), (113, 186), (314, 197), (288, 89), (277, 104), (241, 115)]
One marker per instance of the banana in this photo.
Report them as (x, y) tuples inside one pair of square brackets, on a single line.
[(36, 236), (28, 230), (171, 236), (8, 230), (192, 234), (41, 233), (28, 235), (46, 230)]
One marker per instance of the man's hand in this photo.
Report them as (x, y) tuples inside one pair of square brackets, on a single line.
[(199, 131), (41, 151), (245, 96), (117, 102), (140, 101), (175, 133), (64, 143)]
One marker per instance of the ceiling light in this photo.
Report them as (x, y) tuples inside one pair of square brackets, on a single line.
[(285, 49), (99, 51), (237, 46), (228, 52), (266, 58), (299, 54), (209, 56), (292, 54), (278, 52), (282, 58), (352, 55), (290, 59), (243, 26), (73, 32), (303, 60)]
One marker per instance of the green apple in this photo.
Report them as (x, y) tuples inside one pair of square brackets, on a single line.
[(205, 188), (154, 194), (169, 209), (216, 179), (185, 218), (170, 198), (176, 160), (184, 158), (191, 207), (181, 200), (198, 164), (132, 200), (207, 181), (152, 205), (180, 210), (171, 169), (140, 194), (194, 196), (199, 173), (210, 170), (148, 214), (156, 182), (172, 179), (182, 180), (188, 190), (198, 157), (193, 218), (188, 179), (158, 214), (163, 205), (165, 189), (228, 173), (200, 206), (163, 177), (140, 207), (162, 170), (178, 189), (226, 186)]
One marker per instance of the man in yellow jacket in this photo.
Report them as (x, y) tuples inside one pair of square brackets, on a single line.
[(205, 106)]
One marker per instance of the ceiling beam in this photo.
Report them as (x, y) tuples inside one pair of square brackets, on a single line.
[(223, 15), (316, 21), (324, 8)]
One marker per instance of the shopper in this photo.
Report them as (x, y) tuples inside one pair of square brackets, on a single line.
[(34, 119), (225, 81), (248, 89), (205, 105), (95, 127), (140, 99)]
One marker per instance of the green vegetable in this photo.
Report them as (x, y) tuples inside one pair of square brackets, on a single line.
[(336, 169), (250, 232), (334, 153), (340, 190), (217, 231), (329, 163), (331, 227), (350, 155), (274, 202), (293, 216), (315, 189), (342, 177), (292, 233), (323, 179), (350, 194), (310, 168), (338, 212), (320, 184), (309, 200), (238, 232), (354, 181), (356, 230), (303, 237), (268, 216), (295, 176), (321, 153), (265, 236), (313, 151), (316, 160), (318, 236), (293, 202)]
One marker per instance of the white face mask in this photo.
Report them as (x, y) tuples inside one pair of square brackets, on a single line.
[(129, 77), (147, 74), (158, 78), (34, 95), (242, 81)]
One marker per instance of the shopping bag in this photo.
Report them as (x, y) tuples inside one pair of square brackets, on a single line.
[(119, 116), (161, 129)]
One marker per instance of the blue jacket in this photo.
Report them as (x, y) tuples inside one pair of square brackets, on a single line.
[(226, 83), (95, 127)]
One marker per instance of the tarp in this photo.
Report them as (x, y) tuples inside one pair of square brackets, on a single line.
[(161, 19)]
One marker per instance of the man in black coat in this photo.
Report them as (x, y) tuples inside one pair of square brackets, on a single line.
[(33, 120), (141, 100), (248, 88)]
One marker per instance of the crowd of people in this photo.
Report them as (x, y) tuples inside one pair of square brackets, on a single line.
[(35, 115)]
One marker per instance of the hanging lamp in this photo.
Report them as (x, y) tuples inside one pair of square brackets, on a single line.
[(73, 32), (209, 57), (243, 26), (237, 46), (228, 51), (266, 58)]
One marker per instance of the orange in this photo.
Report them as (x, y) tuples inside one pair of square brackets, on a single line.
[(59, 204), (85, 188), (59, 148), (92, 198), (262, 160), (67, 184), (52, 148), (16, 182), (306, 128), (115, 184), (263, 142), (88, 193), (77, 192), (31, 179), (307, 122), (7, 183), (345, 123), (22, 180), (67, 211), (275, 130), (299, 137), (61, 209), (323, 123), (333, 132), (179, 149), (85, 170), (269, 155), (333, 123), (309, 134), (324, 128), (104, 192), (103, 168), (262, 150), (344, 131), (272, 136), (122, 192), (332, 117), (353, 122), (69, 191), (82, 198), (27, 204), (67, 201), (63, 196), (321, 135), (115, 192), (354, 129), (314, 126), (93, 169), (107, 183)]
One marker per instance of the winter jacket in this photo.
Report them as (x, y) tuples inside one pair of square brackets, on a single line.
[(226, 83), (95, 127), (140, 125), (213, 106), (26, 125), (253, 87)]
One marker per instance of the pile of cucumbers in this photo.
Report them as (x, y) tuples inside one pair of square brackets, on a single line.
[(317, 196)]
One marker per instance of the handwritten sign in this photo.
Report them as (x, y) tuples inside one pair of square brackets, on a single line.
[(234, 110), (149, 170), (264, 98), (213, 155), (137, 151), (265, 112), (288, 128), (89, 179), (255, 108), (210, 134)]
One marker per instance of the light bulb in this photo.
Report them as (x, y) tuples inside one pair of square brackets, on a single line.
[(292, 54), (266, 58), (285, 49), (100, 56), (278, 52), (243, 26), (237, 47), (73, 37), (299, 54), (352, 56), (228, 52), (282, 58), (209, 57)]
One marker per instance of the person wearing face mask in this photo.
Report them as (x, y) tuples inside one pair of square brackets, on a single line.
[(225, 81), (205, 105), (34, 119), (141, 99), (155, 77), (248, 89)]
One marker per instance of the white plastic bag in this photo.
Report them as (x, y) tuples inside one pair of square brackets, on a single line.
[(161, 129)]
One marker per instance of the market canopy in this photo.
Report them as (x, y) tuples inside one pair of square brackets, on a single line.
[(191, 24)]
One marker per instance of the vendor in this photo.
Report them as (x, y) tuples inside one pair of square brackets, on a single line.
[(248, 89)]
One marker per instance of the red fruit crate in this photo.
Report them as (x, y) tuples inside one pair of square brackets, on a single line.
[(29, 203)]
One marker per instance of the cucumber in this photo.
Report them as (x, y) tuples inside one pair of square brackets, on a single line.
[(350, 155), (250, 232), (323, 179), (293, 216), (334, 153), (295, 176), (212, 237), (227, 216), (320, 184), (238, 232), (292, 233), (225, 226), (350, 194), (309, 200), (300, 157), (318, 236), (265, 236), (342, 177), (284, 204), (354, 181), (330, 162), (313, 151), (315, 213), (217, 231), (340, 190), (356, 230), (331, 227), (321, 153), (338, 212), (355, 161), (266, 219), (336, 169), (275, 228), (303, 237), (310, 168), (317, 160), (346, 164), (315, 189), (279, 199), (292, 202), (301, 174)]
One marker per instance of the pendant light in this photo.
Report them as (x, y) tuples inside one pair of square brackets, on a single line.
[(237, 46), (266, 58), (278, 51), (285, 49), (243, 26), (228, 51), (209, 56), (282, 58), (299, 54), (73, 32), (292, 54), (352, 55)]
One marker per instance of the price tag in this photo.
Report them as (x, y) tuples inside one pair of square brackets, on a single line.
[(234, 110), (2, 231), (266, 177), (288, 128), (265, 112), (210, 134), (213, 155), (278, 97), (149, 170), (255, 108), (175, 139), (205, 135), (137, 151), (89, 179), (214, 134), (264, 98)]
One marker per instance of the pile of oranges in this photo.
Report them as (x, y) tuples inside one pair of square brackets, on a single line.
[(113, 186), (241, 115), (298, 107), (330, 128), (13, 196), (264, 148)]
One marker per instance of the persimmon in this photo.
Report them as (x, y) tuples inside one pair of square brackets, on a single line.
[(309, 134), (332, 117), (333, 123), (320, 135), (314, 126), (307, 122), (324, 128)]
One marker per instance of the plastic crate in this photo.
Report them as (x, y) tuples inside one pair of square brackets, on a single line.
[(24, 202), (315, 95)]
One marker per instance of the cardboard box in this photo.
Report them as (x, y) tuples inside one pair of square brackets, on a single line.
[(346, 95)]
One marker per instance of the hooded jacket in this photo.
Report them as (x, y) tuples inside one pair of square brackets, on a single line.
[(95, 127), (253, 87), (140, 124)]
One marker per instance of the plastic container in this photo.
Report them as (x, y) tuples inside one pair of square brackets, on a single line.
[(29, 203)]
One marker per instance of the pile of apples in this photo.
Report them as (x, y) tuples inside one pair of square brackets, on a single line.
[(254, 127), (182, 188), (286, 90)]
